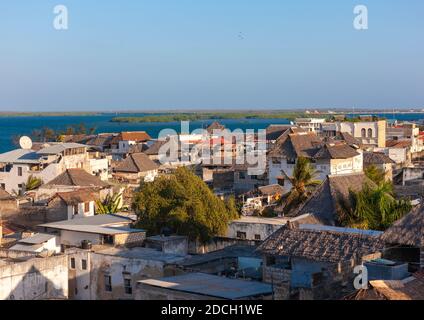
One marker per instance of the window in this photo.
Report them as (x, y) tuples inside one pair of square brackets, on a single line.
[(2, 186), (108, 283), (84, 264), (241, 235), (72, 263), (87, 207), (254, 177), (281, 181), (270, 261), (364, 133), (127, 286), (107, 239), (369, 133), (242, 175), (76, 209), (20, 171), (257, 237)]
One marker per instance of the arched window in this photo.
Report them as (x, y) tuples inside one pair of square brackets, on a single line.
[(364, 133), (369, 133)]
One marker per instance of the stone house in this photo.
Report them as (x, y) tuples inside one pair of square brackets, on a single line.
[(76, 204), (310, 262), (111, 273), (26, 276), (136, 168), (72, 180)]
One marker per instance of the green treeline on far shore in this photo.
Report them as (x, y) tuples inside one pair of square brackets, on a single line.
[(176, 117)]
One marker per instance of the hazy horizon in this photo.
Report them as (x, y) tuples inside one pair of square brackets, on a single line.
[(189, 55)]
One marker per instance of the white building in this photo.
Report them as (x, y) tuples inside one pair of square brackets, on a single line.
[(336, 158), (46, 164), (369, 133), (40, 242), (123, 142), (98, 230), (310, 124)]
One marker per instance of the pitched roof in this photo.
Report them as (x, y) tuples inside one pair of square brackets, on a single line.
[(296, 145), (100, 140), (137, 148), (407, 231), (336, 151), (215, 126), (155, 147), (274, 189), (77, 177), (76, 197), (398, 144), (139, 136), (275, 131), (321, 245), (136, 162), (324, 204), (350, 140), (377, 158)]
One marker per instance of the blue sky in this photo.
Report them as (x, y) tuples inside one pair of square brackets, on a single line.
[(191, 54)]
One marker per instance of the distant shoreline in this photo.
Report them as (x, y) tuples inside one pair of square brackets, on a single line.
[(202, 115)]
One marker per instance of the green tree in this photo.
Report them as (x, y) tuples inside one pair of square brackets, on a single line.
[(373, 208), (375, 174), (184, 203), (303, 182), (110, 204), (32, 183)]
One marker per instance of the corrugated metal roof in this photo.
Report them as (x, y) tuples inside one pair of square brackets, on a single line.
[(20, 156), (60, 147), (37, 238), (101, 224)]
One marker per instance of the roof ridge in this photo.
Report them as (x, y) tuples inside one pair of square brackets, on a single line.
[(134, 162), (68, 172)]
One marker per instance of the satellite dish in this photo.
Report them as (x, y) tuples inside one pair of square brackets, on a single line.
[(25, 142)]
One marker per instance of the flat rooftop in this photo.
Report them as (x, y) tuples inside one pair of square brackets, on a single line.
[(212, 286), (236, 251), (258, 220), (138, 253)]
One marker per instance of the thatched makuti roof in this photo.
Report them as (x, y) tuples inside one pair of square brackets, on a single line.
[(407, 231)]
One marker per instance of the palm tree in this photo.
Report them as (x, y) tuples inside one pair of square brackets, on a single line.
[(111, 204), (303, 182), (32, 183), (374, 208)]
